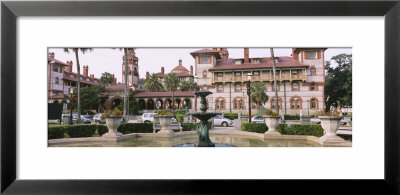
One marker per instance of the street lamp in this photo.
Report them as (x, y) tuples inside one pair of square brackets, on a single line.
[(249, 93), (196, 89), (308, 108), (71, 91)]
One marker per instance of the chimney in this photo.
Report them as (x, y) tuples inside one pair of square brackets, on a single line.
[(294, 54), (180, 62), (114, 80), (147, 75), (92, 76), (162, 70), (85, 71), (68, 68), (191, 69), (246, 55), (51, 56)]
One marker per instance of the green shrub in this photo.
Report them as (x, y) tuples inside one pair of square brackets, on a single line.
[(127, 128), (56, 132), (231, 116), (179, 117), (346, 137), (301, 129), (81, 130), (292, 117), (254, 127), (102, 129)]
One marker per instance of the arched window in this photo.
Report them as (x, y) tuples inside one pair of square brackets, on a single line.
[(314, 103), (57, 80), (220, 89), (205, 74), (313, 72), (220, 104), (238, 103), (295, 103), (273, 103)]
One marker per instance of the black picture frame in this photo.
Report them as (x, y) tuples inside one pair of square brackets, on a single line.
[(10, 10)]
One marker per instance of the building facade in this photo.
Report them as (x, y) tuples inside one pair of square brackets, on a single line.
[(60, 78), (300, 79)]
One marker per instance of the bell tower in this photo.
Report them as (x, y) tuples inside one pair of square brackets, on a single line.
[(133, 67)]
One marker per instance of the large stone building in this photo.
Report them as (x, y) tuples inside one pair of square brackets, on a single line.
[(60, 78), (300, 79)]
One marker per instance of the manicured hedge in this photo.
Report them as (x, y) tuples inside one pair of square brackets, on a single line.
[(126, 128), (231, 116), (292, 117), (102, 129), (65, 131), (56, 132), (301, 129), (192, 126), (80, 130), (254, 127)]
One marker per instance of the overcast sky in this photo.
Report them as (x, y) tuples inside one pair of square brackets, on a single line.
[(152, 59)]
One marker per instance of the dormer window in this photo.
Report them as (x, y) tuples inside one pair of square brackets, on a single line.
[(204, 60), (312, 55), (256, 61)]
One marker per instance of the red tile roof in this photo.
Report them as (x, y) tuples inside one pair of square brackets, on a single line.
[(56, 61), (116, 86), (75, 79), (165, 94), (179, 74), (206, 51), (179, 68), (284, 61)]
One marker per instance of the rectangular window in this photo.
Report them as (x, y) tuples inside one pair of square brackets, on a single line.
[(237, 88), (204, 60), (312, 55), (238, 74), (219, 89), (219, 74), (313, 86), (256, 73), (313, 72), (295, 87)]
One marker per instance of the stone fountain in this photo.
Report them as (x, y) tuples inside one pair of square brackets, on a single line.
[(203, 116)]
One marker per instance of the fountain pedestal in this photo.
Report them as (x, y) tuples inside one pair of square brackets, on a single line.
[(202, 128)]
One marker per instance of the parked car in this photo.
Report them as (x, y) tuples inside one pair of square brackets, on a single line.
[(219, 121), (257, 119), (148, 117), (84, 118), (97, 120)]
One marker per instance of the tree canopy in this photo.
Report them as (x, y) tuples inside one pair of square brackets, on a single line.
[(153, 83), (106, 79), (338, 86), (187, 85), (258, 94)]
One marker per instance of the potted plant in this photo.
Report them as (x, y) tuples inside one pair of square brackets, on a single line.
[(165, 118), (330, 122), (272, 121), (113, 120)]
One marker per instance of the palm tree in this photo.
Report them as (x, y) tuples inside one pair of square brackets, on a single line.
[(153, 83), (275, 87), (258, 94), (171, 84), (126, 97), (78, 67), (187, 85)]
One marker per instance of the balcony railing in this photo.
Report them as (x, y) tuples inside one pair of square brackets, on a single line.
[(260, 78)]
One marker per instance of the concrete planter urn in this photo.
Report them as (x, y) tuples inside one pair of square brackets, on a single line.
[(330, 124), (165, 121), (113, 123), (272, 123)]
